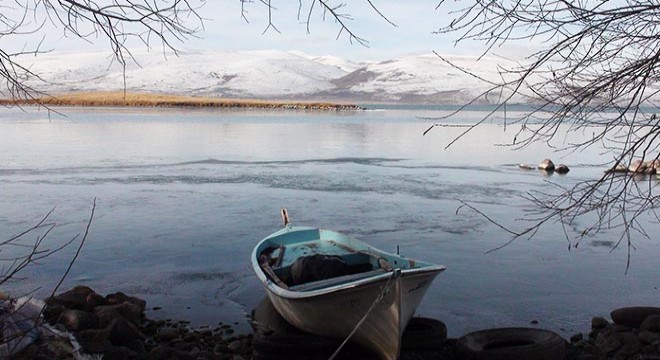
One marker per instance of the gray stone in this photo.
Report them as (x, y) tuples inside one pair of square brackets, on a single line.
[(598, 322), (167, 334), (129, 311), (651, 323), (576, 338), (525, 166), (648, 337), (637, 166), (123, 332), (75, 298), (120, 297), (93, 300), (633, 316), (562, 169), (221, 348), (609, 341), (621, 328), (78, 320), (95, 340), (547, 165)]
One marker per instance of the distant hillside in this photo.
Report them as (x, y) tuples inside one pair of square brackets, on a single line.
[(276, 75)]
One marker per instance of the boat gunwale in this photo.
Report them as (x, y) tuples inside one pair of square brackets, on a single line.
[(289, 294)]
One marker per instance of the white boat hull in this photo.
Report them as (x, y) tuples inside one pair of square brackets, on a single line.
[(337, 314)]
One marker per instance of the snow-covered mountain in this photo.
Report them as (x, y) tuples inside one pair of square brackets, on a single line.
[(270, 75)]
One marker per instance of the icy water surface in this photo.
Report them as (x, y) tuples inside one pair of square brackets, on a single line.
[(183, 196)]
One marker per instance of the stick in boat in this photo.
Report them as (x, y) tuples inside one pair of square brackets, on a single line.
[(285, 216)]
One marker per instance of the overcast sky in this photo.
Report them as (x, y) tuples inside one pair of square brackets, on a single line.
[(226, 30)]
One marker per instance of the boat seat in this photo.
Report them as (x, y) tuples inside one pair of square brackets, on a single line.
[(315, 285)]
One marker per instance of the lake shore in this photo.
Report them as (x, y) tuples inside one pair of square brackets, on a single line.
[(148, 100), (115, 325)]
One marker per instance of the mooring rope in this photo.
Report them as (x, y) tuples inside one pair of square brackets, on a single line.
[(395, 275)]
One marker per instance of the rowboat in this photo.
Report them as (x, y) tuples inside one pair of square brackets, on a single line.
[(329, 284)]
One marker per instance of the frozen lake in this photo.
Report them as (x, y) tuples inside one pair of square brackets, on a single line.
[(184, 195)]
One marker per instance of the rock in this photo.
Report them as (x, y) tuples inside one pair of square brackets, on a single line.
[(107, 313), (648, 337), (221, 348), (167, 334), (95, 340), (633, 316), (53, 312), (655, 165), (93, 300), (621, 328), (137, 346), (651, 323), (609, 341), (75, 298), (78, 320), (120, 297), (547, 165), (119, 353), (162, 352), (598, 322), (525, 166), (619, 168), (631, 346), (123, 332), (637, 166), (562, 169), (576, 338)]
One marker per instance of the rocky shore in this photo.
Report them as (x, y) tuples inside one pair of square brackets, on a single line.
[(81, 323)]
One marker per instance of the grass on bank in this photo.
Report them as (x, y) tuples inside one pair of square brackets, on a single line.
[(121, 99)]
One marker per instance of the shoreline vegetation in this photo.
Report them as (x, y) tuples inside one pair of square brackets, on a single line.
[(133, 99)]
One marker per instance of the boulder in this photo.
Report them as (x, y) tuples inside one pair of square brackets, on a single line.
[(167, 333), (609, 341), (651, 323), (78, 320), (94, 341), (75, 298), (123, 332), (547, 165), (127, 310), (648, 337), (598, 322), (93, 300), (120, 297), (633, 316), (562, 169), (162, 352), (525, 166), (637, 166), (619, 168)]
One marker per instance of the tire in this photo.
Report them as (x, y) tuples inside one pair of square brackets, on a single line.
[(512, 344), (424, 334)]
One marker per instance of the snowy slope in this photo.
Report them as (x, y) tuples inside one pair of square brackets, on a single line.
[(271, 74)]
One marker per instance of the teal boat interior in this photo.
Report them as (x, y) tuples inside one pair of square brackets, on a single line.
[(304, 259)]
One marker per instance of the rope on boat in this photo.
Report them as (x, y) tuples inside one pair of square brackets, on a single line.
[(395, 275)]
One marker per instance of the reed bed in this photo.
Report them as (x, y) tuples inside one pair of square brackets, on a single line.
[(121, 99)]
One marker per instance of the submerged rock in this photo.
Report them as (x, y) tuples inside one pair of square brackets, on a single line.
[(547, 165)]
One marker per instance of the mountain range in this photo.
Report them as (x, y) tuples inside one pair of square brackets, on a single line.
[(272, 74)]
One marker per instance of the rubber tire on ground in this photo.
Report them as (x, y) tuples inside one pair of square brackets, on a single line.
[(424, 334), (512, 344)]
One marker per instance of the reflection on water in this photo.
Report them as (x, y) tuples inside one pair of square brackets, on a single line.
[(182, 196)]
